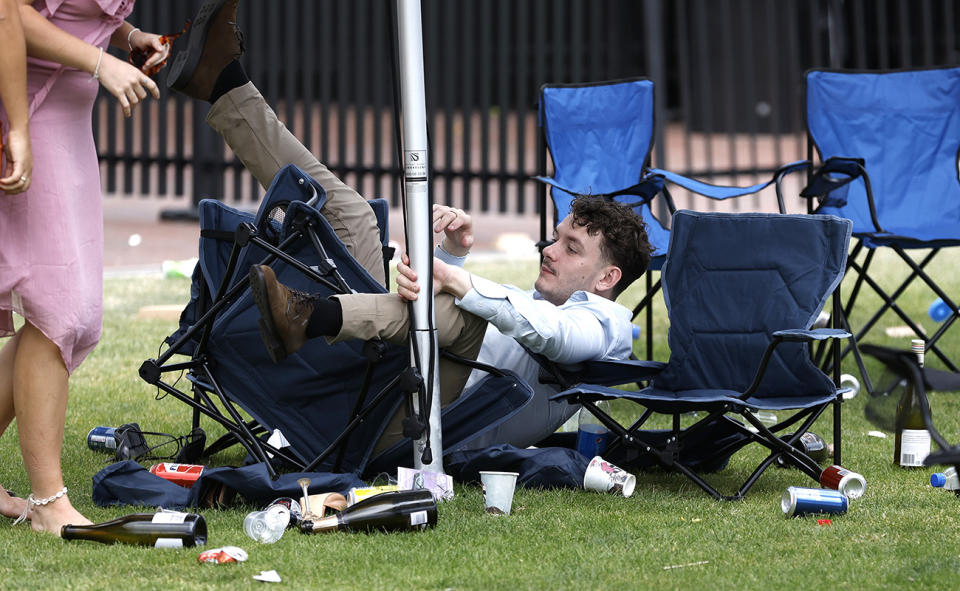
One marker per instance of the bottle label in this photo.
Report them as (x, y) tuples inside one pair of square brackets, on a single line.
[(168, 543), (169, 517), (418, 518), (914, 447)]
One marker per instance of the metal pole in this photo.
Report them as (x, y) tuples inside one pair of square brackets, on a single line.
[(419, 232)]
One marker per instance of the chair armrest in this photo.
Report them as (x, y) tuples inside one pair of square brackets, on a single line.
[(645, 190), (807, 335), (721, 192), (793, 335), (601, 373), (836, 172)]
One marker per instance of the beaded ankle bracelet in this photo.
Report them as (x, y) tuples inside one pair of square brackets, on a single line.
[(35, 502)]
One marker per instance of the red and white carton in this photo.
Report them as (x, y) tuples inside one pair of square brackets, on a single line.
[(839, 478), (184, 475)]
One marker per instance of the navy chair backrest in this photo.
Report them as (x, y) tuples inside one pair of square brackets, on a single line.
[(905, 125), (730, 281), (311, 394), (599, 137)]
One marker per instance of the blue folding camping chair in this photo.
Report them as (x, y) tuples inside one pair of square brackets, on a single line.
[(330, 402), (599, 137), (742, 292), (889, 146)]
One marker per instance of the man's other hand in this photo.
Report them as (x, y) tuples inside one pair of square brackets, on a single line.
[(446, 278), (457, 227)]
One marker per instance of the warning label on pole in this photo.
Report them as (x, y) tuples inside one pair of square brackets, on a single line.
[(415, 165)]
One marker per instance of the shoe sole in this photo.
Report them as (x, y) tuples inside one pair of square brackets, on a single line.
[(186, 62), (268, 330)]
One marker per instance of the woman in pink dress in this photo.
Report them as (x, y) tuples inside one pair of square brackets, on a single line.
[(51, 236)]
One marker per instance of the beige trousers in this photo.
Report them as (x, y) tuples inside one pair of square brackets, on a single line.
[(265, 145)]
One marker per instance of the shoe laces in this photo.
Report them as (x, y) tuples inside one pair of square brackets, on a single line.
[(239, 33), (300, 305)]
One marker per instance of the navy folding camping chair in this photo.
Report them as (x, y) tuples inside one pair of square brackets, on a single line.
[(889, 144), (330, 402), (599, 137), (742, 292)]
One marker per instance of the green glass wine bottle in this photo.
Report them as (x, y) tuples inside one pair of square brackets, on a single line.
[(405, 510), (165, 529), (912, 440)]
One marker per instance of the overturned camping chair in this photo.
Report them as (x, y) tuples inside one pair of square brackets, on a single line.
[(889, 144), (599, 136), (330, 402), (742, 291)]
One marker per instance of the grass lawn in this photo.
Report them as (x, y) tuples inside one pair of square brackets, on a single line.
[(901, 534)]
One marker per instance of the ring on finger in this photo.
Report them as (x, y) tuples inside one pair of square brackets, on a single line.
[(23, 178)]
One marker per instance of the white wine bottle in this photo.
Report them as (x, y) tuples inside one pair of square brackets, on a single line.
[(165, 529), (405, 510), (912, 440)]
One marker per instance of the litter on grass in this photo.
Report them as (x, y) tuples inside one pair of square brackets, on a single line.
[(268, 576), (698, 563)]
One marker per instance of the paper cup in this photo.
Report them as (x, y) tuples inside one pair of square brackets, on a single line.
[(603, 476), (498, 491)]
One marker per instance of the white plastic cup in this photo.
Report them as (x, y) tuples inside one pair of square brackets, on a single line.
[(849, 381), (602, 476), (267, 526), (498, 490)]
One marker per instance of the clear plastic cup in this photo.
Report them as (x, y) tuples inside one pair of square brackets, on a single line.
[(267, 526)]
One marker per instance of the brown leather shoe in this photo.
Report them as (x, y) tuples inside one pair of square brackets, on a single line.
[(214, 40), (284, 312)]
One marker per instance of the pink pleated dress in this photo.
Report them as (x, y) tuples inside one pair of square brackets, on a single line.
[(51, 237)]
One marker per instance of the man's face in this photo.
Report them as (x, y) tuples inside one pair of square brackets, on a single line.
[(572, 263)]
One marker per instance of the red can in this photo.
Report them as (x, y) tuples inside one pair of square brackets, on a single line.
[(184, 475), (839, 478)]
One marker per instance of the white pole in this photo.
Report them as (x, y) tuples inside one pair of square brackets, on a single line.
[(417, 219)]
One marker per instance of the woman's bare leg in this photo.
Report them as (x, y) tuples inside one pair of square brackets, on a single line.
[(40, 388), (9, 506)]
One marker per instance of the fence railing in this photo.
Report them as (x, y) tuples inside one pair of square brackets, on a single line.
[(728, 75)]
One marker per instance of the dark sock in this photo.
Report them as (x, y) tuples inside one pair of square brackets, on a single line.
[(326, 319), (232, 76)]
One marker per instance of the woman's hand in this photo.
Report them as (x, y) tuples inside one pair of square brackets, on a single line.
[(126, 82), (20, 161), (152, 48)]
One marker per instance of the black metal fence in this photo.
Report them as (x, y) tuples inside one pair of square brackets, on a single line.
[(728, 74)]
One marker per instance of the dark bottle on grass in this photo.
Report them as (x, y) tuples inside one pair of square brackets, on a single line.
[(165, 529), (912, 439), (405, 510)]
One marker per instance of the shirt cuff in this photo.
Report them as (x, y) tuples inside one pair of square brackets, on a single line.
[(448, 258)]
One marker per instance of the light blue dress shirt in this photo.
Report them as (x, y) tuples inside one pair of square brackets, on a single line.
[(586, 327)]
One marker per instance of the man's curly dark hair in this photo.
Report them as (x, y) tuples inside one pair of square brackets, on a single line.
[(624, 235)]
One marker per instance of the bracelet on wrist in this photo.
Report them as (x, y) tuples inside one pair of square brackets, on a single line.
[(96, 71), (130, 36)]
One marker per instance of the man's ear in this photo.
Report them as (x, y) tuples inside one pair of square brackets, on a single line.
[(610, 277)]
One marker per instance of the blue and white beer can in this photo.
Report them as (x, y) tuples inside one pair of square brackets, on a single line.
[(799, 501), (102, 439)]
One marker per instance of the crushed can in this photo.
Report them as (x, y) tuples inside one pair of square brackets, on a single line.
[(224, 555)]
